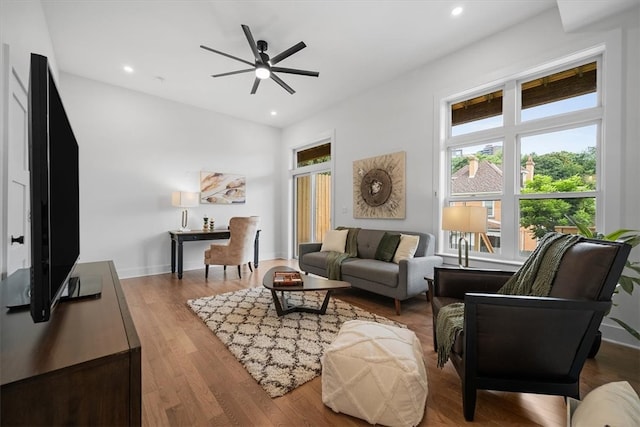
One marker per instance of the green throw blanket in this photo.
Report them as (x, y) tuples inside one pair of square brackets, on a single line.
[(534, 278), (335, 259)]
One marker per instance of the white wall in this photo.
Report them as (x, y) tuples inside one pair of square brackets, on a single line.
[(23, 27), (136, 149), (23, 30), (401, 115)]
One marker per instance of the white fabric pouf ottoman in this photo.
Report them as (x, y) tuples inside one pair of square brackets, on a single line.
[(375, 372)]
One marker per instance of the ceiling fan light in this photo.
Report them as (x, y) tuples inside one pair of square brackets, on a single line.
[(263, 72)]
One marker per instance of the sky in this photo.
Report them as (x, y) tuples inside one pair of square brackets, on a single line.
[(574, 140)]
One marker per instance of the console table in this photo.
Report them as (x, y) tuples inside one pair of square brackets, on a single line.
[(179, 237), (82, 367)]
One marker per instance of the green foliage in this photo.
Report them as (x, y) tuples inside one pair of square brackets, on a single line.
[(564, 164), (458, 163), (314, 161), (541, 216), (631, 274)]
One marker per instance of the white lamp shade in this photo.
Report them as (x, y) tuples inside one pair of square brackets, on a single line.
[(468, 219), (184, 199)]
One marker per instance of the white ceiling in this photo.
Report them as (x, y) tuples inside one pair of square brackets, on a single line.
[(577, 14), (355, 45)]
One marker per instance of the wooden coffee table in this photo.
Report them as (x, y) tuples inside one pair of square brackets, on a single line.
[(310, 284)]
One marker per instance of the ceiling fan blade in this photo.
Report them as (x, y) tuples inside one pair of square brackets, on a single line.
[(287, 53), (294, 71), (227, 55), (283, 84), (230, 73), (256, 82), (252, 43)]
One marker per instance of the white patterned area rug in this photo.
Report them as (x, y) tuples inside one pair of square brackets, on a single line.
[(280, 353)]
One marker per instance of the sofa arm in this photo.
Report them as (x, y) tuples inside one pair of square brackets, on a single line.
[(305, 248), (413, 271), (456, 282)]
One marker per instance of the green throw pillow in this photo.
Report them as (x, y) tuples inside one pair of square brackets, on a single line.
[(387, 247)]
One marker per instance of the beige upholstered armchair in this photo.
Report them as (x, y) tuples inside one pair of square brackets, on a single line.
[(238, 250)]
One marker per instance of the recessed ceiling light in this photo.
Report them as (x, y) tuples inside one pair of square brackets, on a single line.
[(274, 113), (456, 11), (128, 69)]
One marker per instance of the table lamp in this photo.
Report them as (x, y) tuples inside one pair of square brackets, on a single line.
[(464, 219), (184, 199)]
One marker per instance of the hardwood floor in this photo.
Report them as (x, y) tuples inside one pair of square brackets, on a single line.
[(190, 378)]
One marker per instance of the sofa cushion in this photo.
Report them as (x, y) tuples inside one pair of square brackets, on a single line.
[(334, 240), (372, 270), (319, 259), (407, 247), (368, 241), (387, 247)]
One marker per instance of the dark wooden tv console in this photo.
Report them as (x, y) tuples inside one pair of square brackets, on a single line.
[(80, 368)]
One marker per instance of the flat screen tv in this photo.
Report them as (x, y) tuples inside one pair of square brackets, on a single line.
[(55, 194), (55, 205)]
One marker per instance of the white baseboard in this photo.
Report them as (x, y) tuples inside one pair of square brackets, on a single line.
[(616, 334)]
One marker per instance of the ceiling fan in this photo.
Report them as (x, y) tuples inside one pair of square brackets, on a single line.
[(264, 66)]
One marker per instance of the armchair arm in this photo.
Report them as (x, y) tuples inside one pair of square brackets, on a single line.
[(455, 282), (520, 336), (413, 271)]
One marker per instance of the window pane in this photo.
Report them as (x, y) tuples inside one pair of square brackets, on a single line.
[(323, 205), (563, 161), (313, 155), (313, 207), (479, 113), (303, 210), (476, 169), (488, 242), (569, 90), (541, 216)]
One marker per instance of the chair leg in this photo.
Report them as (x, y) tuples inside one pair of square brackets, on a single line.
[(239, 273), (224, 267), (250, 268), (206, 271), (397, 304), (468, 400)]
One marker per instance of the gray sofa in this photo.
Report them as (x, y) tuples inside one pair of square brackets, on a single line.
[(398, 281)]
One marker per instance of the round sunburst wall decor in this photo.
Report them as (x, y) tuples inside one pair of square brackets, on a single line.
[(379, 187)]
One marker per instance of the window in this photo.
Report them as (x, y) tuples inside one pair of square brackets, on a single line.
[(314, 155), (568, 90), (312, 193), (532, 170), (477, 113), (489, 204)]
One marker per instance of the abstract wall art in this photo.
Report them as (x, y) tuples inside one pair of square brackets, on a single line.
[(379, 187), (222, 188)]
